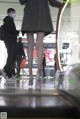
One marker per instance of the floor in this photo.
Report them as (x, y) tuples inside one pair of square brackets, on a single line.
[(19, 100), (46, 84)]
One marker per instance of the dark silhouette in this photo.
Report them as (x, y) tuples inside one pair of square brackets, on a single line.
[(10, 39), (19, 54), (55, 66), (43, 64)]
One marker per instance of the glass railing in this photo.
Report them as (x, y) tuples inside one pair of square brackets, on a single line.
[(69, 45)]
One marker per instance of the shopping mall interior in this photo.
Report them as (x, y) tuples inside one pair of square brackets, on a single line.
[(59, 96)]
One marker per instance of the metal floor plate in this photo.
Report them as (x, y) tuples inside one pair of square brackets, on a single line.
[(29, 92)]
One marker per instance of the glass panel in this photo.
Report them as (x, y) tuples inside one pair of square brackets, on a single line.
[(69, 48)]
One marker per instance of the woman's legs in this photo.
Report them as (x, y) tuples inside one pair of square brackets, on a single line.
[(40, 36), (30, 37)]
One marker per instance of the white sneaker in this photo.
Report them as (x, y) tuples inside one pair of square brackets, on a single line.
[(38, 82), (3, 73), (10, 81), (13, 77)]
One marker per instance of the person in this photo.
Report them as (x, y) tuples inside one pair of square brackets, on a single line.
[(55, 66), (37, 20), (43, 64), (10, 40), (19, 55)]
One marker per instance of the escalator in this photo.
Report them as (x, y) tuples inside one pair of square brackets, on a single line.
[(36, 104)]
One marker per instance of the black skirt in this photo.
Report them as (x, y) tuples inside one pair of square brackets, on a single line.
[(37, 16)]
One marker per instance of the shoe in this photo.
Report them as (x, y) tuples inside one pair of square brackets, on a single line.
[(10, 82), (38, 82), (31, 80), (13, 77), (8, 79), (3, 73)]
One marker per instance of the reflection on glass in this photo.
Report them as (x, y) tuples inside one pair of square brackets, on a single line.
[(69, 41)]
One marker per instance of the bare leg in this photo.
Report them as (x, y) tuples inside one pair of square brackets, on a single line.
[(40, 36), (30, 38)]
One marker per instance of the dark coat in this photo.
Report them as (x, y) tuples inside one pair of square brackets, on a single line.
[(10, 29), (19, 49), (37, 15), (44, 62)]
